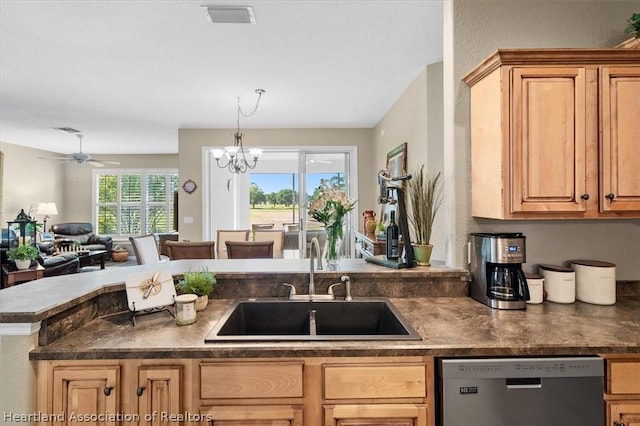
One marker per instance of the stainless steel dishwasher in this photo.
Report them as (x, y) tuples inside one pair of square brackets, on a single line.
[(565, 391)]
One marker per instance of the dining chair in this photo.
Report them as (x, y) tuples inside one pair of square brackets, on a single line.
[(190, 249), (230, 235), (262, 226), (146, 249), (249, 249), (271, 235)]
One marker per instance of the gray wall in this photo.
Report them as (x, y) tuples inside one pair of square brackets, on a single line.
[(474, 29)]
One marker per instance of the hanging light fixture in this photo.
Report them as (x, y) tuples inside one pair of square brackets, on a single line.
[(234, 157)]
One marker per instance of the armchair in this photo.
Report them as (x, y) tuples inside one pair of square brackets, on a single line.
[(83, 233)]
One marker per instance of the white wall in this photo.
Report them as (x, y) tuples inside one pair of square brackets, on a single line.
[(191, 143), (477, 28)]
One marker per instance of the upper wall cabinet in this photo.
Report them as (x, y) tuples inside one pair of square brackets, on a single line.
[(555, 134)]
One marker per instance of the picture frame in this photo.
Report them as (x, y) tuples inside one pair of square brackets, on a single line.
[(47, 237), (397, 164)]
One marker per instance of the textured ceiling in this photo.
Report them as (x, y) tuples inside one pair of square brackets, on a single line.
[(129, 74)]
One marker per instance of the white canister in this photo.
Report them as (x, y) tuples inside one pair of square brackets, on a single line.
[(559, 283), (535, 283), (595, 281), (185, 309)]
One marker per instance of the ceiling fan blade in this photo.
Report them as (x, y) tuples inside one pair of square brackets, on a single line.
[(95, 163), (115, 163), (55, 158)]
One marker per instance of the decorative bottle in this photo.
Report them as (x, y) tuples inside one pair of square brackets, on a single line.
[(392, 238)]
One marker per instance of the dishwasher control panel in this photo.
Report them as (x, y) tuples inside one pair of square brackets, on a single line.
[(522, 367)]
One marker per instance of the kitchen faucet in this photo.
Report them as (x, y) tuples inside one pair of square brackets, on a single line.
[(314, 244)]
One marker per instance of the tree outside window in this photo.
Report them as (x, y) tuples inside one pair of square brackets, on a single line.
[(135, 202)]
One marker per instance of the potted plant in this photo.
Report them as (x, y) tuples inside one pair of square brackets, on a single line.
[(425, 197), (200, 283), (634, 25), (23, 255)]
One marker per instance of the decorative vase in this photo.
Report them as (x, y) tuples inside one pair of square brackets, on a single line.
[(23, 263), (422, 253), (370, 228), (202, 302), (334, 244), (367, 216)]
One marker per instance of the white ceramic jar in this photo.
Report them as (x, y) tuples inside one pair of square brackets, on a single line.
[(535, 283), (595, 281), (559, 283)]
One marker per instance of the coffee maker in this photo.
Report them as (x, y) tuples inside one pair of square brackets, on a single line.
[(497, 279)]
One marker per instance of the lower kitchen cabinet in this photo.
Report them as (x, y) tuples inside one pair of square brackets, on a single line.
[(79, 394), (623, 413), (254, 415), (114, 392), (622, 395), (349, 391), (375, 415)]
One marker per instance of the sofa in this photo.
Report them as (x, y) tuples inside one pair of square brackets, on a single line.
[(62, 264), (83, 233)]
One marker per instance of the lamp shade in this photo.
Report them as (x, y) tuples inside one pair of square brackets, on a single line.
[(47, 209)]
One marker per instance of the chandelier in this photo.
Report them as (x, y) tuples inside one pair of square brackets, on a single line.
[(236, 158)]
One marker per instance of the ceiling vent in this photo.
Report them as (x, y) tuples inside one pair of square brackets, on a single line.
[(219, 14)]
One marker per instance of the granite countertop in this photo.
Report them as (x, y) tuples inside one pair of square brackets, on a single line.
[(449, 326), (41, 299)]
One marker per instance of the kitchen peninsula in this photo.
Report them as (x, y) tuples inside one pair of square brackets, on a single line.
[(85, 337)]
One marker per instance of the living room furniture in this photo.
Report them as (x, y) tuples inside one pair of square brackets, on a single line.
[(249, 249), (229, 235), (92, 257), (191, 249), (145, 249), (60, 264), (12, 275), (83, 233)]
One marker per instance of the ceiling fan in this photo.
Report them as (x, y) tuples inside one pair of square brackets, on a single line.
[(81, 157)]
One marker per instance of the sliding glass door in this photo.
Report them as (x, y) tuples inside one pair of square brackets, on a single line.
[(276, 193)]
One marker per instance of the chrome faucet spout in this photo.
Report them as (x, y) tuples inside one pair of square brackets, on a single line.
[(315, 247)]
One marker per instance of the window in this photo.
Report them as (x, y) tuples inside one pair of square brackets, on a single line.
[(134, 202)]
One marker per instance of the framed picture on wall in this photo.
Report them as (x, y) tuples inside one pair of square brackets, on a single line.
[(397, 163)]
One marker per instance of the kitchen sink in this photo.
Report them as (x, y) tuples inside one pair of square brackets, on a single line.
[(276, 320)]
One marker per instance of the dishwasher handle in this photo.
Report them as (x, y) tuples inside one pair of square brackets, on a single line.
[(524, 383)]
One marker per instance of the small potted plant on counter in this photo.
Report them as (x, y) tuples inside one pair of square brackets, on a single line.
[(200, 283), (425, 196), (23, 255)]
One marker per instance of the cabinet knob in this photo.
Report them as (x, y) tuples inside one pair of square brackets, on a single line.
[(610, 196), (107, 390), (617, 423), (585, 197), (140, 390)]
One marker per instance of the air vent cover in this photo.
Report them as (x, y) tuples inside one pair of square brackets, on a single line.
[(220, 14)]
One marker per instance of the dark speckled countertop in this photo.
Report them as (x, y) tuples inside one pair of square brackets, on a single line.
[(449, 326)]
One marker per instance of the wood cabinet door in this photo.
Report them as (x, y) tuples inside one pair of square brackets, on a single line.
[(620, 143), (84, 394), (159, 396), (548, 140), (623, 413), (245, 415), (376, 415)]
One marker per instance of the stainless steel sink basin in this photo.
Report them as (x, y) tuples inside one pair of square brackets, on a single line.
[(276, 320)]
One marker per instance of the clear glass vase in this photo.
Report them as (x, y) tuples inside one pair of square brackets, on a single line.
[(334, 247)]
